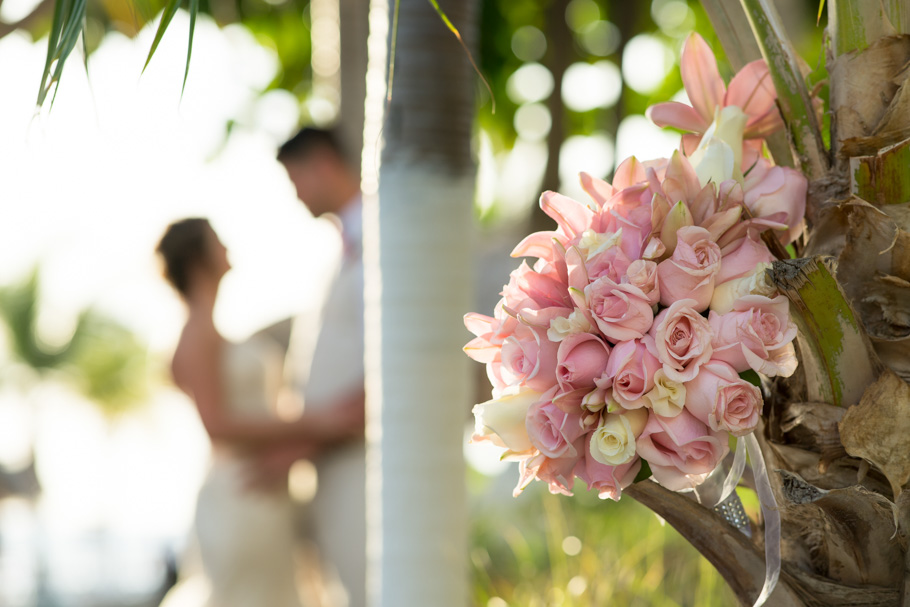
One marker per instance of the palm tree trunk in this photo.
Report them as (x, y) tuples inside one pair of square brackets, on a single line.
[(418, 270)]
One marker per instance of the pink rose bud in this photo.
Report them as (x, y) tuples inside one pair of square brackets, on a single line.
[(655, 249), (690, 272), (621, 311), (631, 368), (741, 257), (551, 430), (719, 398), (678, 217), (580, 359), (756, 335), (681, 450), (642, 273), (682, 340), (608, 481)]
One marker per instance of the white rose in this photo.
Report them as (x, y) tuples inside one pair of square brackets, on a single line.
[(502, 420), (668, 397), (561, 327), (756, 283), (613, 442)]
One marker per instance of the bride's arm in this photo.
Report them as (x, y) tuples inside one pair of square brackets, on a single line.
[(199, 372)]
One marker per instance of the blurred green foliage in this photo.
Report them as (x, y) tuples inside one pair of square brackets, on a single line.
[(543, 550), (100, 358)]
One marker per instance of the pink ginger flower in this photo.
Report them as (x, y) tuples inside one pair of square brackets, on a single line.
[(750, 89)]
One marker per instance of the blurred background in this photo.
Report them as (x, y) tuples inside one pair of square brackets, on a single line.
[(100, 456)]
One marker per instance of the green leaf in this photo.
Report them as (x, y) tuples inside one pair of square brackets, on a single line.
[(393, 50), (821, 6), (643, 474), (166, 15), (61, 9), (751, 376), (467, 51), (68, 22), (194, 8)]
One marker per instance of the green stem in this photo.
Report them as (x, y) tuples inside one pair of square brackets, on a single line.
[(792, 95)]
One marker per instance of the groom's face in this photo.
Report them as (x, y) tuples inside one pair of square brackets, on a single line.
[(314, 178)]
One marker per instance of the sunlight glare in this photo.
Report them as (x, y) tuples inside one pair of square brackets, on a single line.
[(587, 86), (637, 136)]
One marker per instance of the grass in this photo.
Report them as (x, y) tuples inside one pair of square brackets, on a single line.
[(542, 550)]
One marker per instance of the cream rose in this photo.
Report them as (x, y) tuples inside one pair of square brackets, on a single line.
[(502, 421), (668, 397), (613, 441)]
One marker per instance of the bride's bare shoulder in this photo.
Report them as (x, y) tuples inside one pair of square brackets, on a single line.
[(197, 347)]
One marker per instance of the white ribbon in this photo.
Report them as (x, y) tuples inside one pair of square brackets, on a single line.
[(705, 491), (770, 513), (735, 473)]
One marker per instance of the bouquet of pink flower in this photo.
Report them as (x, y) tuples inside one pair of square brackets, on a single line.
[(628, 338)]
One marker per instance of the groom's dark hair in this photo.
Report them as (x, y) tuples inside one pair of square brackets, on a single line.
[(307, 141)]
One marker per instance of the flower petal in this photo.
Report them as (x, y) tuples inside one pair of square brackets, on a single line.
[(752, 90), (538, 244), (703, 83), (572, 216), (678, 115), (598, 189)]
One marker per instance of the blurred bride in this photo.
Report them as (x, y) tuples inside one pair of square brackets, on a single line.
[(244, 523)]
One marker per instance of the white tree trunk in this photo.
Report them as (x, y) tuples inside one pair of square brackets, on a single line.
[(418, 270)]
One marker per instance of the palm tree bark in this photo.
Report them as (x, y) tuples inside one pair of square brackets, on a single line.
[(418, 263)]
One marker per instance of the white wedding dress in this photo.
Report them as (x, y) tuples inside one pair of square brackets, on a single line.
[(245, 538)]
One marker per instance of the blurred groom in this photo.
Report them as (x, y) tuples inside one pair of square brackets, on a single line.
[(331, 375)]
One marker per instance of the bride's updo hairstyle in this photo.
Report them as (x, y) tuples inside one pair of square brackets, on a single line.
[(184, 246)]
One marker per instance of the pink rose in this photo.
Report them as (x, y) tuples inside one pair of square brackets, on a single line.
[(719, 398), (621, 311), (691, 271), (580, 359), (642, 273), (558, 473), (682, 340), (741, 257), (609, 481), (536, 289), (631, 369), (681, 450), (611, 263), (756, 335), (551, 430), (777, 194), (528, 358)]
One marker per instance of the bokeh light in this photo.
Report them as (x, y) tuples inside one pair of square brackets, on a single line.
[(646, 61), (529, 83), (587, 86)]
